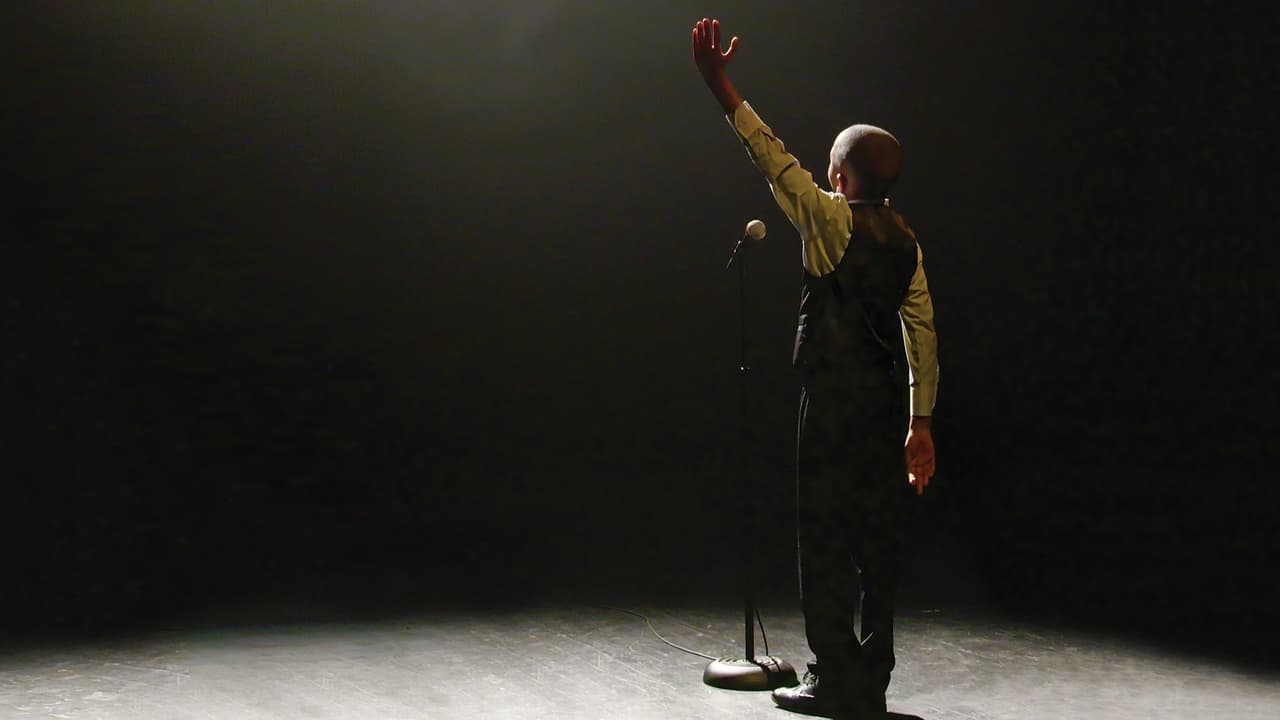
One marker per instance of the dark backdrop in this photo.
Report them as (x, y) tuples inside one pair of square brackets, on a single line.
[(433, 290)]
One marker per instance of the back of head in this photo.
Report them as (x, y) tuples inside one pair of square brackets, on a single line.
[(872, 155)]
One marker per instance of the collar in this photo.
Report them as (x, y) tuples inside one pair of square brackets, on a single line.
[(868, 202)]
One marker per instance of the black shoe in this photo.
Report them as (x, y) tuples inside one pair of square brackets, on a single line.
[(809, 698)]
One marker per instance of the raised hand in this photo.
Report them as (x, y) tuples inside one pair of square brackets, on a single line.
[(712, 61), (707, 54)]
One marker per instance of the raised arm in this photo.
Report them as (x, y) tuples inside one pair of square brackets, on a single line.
[(822, 218)]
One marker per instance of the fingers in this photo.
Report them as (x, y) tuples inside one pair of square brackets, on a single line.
[(920, 469), (706, 38), (918, 480), (733, 48)]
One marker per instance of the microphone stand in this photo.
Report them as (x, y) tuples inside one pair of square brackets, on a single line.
[(750, 672)]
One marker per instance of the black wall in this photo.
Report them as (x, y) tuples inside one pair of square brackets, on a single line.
[(434, 288)]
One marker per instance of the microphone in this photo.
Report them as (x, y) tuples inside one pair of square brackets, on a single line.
[(755, 230)]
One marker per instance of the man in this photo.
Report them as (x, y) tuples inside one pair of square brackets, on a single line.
[(865, 317)]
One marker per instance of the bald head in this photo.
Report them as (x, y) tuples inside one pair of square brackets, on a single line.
[(867, 159)]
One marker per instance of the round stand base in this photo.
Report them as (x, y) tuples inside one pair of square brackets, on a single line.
[(765, 673)]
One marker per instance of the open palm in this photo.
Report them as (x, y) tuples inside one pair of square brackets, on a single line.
[(707, 53)]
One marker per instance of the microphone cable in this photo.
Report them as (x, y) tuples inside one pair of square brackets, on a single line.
[(682, 648)]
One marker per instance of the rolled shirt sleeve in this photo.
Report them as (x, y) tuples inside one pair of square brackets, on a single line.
[(920, 340), (822, 218)]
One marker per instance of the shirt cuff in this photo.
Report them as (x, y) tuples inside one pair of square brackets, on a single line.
[(744, 120), (922, 400)]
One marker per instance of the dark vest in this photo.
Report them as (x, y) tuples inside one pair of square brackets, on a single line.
[(849, 328)]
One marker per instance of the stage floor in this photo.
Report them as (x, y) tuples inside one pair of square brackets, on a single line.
[(573, 662)]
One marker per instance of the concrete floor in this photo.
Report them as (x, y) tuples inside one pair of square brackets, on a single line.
[(590, 662)]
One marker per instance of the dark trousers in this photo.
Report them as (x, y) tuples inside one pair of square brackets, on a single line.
[(851, 484)]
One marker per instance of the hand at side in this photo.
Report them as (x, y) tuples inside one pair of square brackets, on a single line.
[(919, 452)]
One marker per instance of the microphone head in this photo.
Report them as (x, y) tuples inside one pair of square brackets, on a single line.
[(755, 230)]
